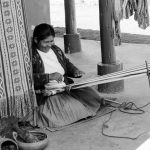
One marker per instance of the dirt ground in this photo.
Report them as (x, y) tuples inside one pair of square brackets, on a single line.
[(136, 127)]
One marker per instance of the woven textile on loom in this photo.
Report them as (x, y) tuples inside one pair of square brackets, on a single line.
[(17, 95)]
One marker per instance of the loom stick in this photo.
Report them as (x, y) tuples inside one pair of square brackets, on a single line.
[(110, 79), (129, 71)]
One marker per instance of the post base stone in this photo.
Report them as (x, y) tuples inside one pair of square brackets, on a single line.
[(72, 43), (112, 87)]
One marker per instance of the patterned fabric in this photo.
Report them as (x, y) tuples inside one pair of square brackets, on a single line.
[(16, 87)]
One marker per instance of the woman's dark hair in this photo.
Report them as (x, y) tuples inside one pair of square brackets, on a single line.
[(41, 32)]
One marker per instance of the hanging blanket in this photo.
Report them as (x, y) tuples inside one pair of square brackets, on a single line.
[(16, 88)]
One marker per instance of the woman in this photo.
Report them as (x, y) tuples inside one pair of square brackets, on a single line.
[(50, 64)]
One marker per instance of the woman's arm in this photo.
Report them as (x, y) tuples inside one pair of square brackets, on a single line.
[(40, 79), (72, 70)]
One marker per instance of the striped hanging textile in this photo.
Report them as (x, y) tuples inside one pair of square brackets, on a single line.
[(17, 95)]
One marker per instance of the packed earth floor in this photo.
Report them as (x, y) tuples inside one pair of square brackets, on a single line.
[(122, 131)]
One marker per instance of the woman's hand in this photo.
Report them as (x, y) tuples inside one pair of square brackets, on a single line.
[(56, 76), (78, 74), (46, 92), (51, 92)]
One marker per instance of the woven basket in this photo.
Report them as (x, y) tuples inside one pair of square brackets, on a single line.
[(40, 145)]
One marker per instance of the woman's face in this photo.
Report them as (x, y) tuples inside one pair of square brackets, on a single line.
[(45, 45)]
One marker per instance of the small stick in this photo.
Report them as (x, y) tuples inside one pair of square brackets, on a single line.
[(148, 74), (112, 101)]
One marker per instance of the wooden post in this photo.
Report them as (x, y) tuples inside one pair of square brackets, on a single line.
[(71, 38), (109, 63), (107, 33)]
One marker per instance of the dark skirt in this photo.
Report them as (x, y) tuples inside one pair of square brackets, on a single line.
[(65, 108)]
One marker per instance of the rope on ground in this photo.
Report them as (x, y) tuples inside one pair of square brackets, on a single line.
[(125, 107)]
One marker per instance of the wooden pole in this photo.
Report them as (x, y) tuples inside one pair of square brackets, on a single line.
[(70, 18), (71, 38), (107, 33), (109, 63)]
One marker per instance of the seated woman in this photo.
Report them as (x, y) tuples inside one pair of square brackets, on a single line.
[(50, 65)]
